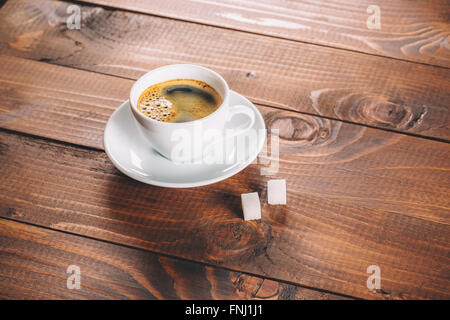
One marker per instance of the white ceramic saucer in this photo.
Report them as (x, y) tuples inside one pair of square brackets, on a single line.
[(133, 155)]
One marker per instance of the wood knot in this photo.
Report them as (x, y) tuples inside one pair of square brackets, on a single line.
[(324, 133), (250, 287), (400, 111), (380, 111), (301, 128), (237, 241)]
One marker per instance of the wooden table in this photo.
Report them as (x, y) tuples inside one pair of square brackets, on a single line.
[(363, 114)]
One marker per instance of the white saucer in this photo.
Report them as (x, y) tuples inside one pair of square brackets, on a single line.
[(133, 155)]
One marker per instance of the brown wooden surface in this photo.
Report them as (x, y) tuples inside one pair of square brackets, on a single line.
[(347, 189), (314, 241), (413, 30), (338, 84), (34, 261), (357, 195)]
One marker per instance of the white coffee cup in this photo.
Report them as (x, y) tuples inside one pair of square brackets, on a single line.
[(161, 135)]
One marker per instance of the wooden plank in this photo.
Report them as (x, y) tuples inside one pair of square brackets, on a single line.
[(64, 104), (356, 196), (370, 90), (411, 30), (34, 262)]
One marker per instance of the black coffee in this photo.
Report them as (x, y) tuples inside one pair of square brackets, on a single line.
[(179, 100)]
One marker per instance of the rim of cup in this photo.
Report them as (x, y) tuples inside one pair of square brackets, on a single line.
[(149, 73)]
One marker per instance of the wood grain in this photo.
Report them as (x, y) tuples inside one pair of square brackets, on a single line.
[(356, 196), (359, 88), (64, 104), (314, 241), (74, 105), (411, 30), (34, 262)]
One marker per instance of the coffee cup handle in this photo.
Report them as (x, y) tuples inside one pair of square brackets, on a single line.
[(233, 132), (240, 109)]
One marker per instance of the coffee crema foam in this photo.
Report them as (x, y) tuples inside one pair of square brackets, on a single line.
[(179, 100)]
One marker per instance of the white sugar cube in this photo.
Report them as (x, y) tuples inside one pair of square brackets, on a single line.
[(276, 191), (251, 206)]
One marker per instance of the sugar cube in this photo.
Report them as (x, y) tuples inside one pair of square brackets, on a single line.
[(276, 191), (251, 206)]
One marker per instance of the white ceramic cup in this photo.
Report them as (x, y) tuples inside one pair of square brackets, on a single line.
[(161, 134)]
